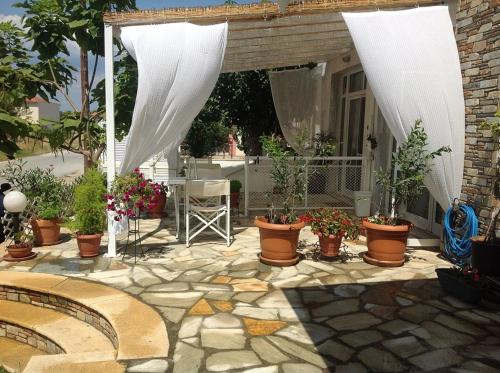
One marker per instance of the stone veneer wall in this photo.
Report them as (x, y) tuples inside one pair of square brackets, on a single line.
[(29, 337), (478, 39), (61, 304)]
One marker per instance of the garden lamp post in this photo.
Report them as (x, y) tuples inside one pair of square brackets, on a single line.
[(15, 202)]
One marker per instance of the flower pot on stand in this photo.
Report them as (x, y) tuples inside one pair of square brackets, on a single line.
[(46, 231), (386, 243), (158, 210), (486, 256), (89, 244), (278, 242), (330, 245)]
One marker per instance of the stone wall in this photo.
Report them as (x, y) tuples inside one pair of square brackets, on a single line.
[(478, 39)]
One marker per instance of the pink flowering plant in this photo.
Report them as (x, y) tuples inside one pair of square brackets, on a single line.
[(132, 193), (331, 222)]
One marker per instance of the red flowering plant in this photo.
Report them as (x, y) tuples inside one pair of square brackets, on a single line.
[(331, 222), (132, 193)]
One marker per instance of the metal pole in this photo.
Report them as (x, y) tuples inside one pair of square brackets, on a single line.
[(110, 126), (246, 185)]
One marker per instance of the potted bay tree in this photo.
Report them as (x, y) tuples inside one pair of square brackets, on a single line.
[(89, 206), (280, 228), (387, 235)]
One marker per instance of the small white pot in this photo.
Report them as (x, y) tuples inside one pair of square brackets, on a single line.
[(362, 203)]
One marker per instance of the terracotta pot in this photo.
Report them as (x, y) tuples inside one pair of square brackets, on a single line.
[(485, 256), (20, 250), (88, 244), (278, 242), (46, 232), (330, 245), (386, 243), (235, 199), (158, 210)]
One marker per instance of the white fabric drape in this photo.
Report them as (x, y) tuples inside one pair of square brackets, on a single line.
[(297, 101), (178, 66), (411, 61)]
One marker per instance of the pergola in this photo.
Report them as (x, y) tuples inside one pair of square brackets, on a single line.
[(260, 36)]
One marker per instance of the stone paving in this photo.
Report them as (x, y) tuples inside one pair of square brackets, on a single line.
[(226, 311)]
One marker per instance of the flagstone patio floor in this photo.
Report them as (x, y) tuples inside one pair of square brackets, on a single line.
[(227, 312)]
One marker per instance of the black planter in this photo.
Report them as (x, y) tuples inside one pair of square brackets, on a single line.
[(456, 286), (486, 256)]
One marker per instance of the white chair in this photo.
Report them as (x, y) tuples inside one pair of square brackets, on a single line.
[(203, 202)]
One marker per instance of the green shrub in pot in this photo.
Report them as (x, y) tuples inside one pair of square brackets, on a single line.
[(89, 205)]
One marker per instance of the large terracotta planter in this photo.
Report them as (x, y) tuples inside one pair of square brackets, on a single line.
[(278, 242), (486, 256), (46, 232), (18, 251), (89, 244), (158, 210), (330, 245), (386, 243)]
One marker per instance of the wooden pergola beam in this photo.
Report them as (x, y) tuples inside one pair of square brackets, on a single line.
[(253, 12)]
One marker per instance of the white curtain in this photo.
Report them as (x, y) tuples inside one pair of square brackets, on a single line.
[(411, 60), (297, 101), (178, 65)]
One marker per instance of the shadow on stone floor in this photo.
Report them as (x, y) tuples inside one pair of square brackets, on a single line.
[(394, 326)]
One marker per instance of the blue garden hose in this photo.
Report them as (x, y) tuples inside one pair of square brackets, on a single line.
[(457, 242)]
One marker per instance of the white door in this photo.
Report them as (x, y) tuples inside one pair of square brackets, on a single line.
[(353, 110)]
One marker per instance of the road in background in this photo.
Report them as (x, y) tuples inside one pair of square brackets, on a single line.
[(65, 165)]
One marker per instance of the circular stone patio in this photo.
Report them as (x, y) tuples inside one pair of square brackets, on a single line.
[(226, 311)]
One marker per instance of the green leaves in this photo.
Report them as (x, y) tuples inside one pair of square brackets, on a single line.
[(413, 162)]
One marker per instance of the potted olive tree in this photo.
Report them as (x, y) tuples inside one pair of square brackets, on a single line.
[(486, 249), (49, 197), (280, 228), (387, 235), (89, 206)]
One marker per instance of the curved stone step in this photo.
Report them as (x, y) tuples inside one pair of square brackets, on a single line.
[(15, 355), (70, 334), (135, 328), (95, 362)]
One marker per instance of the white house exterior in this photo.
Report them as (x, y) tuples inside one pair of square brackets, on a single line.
[(38, 109)]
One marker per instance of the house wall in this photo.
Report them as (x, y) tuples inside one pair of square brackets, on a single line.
[(478, 39)]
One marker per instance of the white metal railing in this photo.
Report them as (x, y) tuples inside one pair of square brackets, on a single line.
[(331, 182)]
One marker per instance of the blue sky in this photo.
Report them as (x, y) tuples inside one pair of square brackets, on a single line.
[(8, 12)]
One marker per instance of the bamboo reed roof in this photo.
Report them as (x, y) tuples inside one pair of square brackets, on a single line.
[(261, 37)]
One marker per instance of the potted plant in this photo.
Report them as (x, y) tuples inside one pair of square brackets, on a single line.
[(22, 247), (331, 226), (49, 198), (89, 206), (235, 187), (387, 235), (462, 283), (156, 210), (280, 228), (131, 193), (485, 256)]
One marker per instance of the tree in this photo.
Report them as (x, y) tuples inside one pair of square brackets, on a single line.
[(246, 101), (19, 79), (208, 132), (51, 25)]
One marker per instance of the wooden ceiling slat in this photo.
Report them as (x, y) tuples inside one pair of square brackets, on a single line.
[(272, 64), (283, 31), (277, 40), (288, 48)]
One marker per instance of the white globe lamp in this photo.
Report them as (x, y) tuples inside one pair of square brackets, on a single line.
[(15, 201)]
